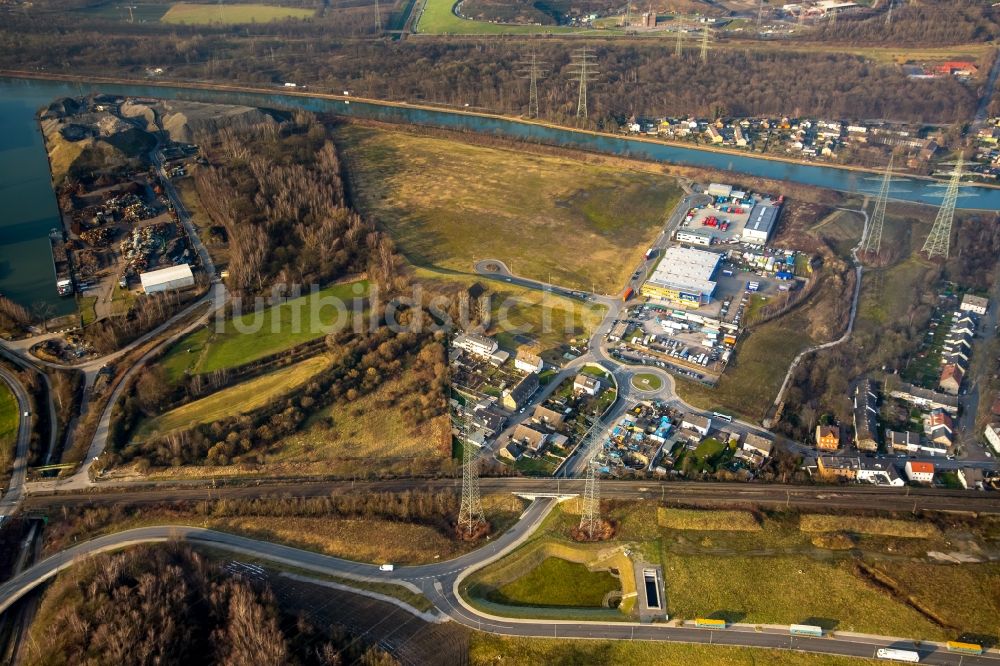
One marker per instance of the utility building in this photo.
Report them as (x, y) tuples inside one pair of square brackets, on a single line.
[(759, 227), (165, 279)]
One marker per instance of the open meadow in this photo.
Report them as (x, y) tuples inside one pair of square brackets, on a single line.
[(203, 14), (256, 335), (448, 204), (772, 568)]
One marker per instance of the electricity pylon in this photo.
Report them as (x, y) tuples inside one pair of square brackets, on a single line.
[(470, 514), (532, 70), (888, 15), (871, 244), (679, 45), (704, 45), (378, 18), (583, 69), (760, 14), (590, 519), (939, 240)]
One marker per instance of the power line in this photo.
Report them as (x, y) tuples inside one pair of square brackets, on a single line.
[(590, 520), (470, 515), (939, 240), (871, 244), (584, 70), (532, 70)]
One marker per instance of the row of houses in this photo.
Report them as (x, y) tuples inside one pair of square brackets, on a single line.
[(958, 344)]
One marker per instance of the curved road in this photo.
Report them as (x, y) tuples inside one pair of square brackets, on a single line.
[(440, 582)]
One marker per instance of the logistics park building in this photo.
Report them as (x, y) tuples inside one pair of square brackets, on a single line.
[(685, 276)]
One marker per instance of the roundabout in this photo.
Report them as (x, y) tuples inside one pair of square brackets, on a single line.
[(647, 382)]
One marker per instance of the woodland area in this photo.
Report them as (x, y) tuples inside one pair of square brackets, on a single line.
[(277, 193), (823, 384), (169, 605), (933, 23), (636, 77)]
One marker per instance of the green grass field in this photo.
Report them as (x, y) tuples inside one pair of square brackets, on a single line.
[(438, 18), (10, 418), (274, 330), (490, 649), (647, 381), (713, 521), (557, 582), (199, 14), (238, 399), (449, 204)]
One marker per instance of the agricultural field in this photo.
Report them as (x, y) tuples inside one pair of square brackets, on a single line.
[(438, 18), (269, 331), (449, 204), (487, 649), (10, 419), (765, 568), (241, 398), (203, 14)]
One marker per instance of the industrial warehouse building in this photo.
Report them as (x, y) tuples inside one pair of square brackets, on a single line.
[(165, 279), (684, 276), (759, 227)]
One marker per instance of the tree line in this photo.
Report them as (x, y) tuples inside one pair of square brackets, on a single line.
[(170, 605)]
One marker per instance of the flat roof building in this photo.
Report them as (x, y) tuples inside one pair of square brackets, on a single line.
[(684, 276), (760, 225), (165, 279), (720, 190), (975, 304), (694, 236)]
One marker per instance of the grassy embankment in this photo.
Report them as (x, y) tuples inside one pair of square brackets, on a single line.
[(439, 18), (774, 569), (448, 204), (273, 330), (237, 399), (199, 14), (10, 419), (488, 649)]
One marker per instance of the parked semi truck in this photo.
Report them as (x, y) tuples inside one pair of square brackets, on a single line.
[(893, 654)]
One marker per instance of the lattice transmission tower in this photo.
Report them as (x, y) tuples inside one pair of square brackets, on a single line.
[(590, 519), (888, 14), (871, 243), (378, 18), (532, 70), (704, 45), (470, 514), (584, 70), (679, 44), (939, 240)]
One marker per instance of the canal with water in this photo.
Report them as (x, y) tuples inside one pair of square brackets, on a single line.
[(28, 207)]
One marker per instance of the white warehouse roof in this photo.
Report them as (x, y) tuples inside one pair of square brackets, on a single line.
[(687, 269), (164, 275), (762, 220)]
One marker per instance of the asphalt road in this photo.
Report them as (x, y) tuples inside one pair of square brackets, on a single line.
[(19, 472), (440, 582)]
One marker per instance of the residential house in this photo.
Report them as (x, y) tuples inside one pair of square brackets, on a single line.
[(926, 399), (975, 304), (919, 472), (951, 379), (992, 435), (696, 422), (865, 416), (510, 451), (713, 135), (971, 478), (827, 437), (532, 439), (525, 361), (549, 417), (516, 397), (586, 384), (476, 344), (903, 442), (488, 419), (755, 449), (838, 467), (938, 427), (878, 472), (740, 137)]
